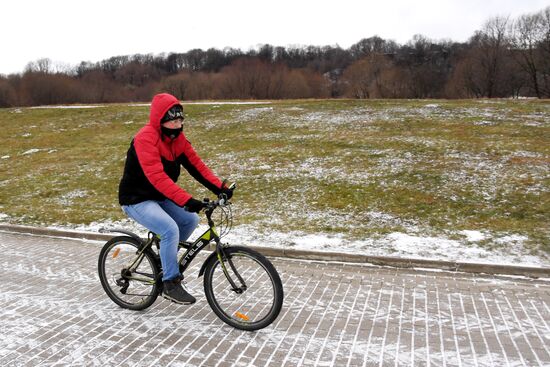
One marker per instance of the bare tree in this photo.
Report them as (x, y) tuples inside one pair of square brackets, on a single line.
[(502, 59), (482, 69), (136, 74), (8, 96), (545, 49), (492, 44), (527, 34), (373, 44), (247, 78), (363, 78), (178, 85), (43, 65), (319, 86), (194, 60), (426, 63), (464, 81), (295, 85)]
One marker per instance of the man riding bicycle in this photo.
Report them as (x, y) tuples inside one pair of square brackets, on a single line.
[(148, 192)]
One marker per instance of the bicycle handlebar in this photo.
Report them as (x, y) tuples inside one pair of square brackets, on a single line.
[(222, 200)]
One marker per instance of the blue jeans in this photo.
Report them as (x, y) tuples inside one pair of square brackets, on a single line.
[(171, 222)]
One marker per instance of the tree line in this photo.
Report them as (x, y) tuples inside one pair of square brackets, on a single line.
[(505, 58)]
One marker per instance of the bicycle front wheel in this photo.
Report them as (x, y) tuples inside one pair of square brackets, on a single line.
[(255, 298), (128, 279)]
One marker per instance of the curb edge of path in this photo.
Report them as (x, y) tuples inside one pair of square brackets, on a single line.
[(467, 267)]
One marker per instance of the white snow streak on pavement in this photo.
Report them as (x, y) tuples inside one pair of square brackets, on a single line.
[(334, 314)]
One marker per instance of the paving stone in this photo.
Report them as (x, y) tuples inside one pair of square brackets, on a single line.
[(334, 314)]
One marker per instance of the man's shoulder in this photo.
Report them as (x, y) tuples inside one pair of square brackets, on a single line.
[(182, 144), (147, 134)]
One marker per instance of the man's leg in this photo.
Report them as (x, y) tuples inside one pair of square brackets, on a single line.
[(186, 221), (151, 215)]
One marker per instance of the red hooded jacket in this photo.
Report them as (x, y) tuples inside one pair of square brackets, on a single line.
[(153, 162)]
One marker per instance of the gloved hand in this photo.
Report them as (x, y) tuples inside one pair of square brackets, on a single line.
[(228, 193), (194, 206)]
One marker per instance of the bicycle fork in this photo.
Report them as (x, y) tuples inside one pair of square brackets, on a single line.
[(222, 257)]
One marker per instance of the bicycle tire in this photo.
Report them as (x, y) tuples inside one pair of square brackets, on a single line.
[(259, 305), (111, 271)]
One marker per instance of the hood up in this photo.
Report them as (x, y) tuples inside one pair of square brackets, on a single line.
[(159, 106)]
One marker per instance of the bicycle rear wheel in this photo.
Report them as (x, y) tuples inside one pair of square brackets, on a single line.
[(258, 297), (134, 288)]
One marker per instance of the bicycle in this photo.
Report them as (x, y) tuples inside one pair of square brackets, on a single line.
[(241, 286)]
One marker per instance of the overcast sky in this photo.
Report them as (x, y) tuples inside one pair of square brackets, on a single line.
[(73, 31)]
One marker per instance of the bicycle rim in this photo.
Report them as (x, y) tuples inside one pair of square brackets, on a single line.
[(258, 305), (134, 288)]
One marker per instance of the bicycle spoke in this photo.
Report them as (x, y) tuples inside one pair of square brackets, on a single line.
[(135, 289), (255, 302)]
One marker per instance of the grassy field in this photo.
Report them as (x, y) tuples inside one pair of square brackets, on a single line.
[(363, 169)]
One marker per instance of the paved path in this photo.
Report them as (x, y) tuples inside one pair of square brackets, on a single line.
[(53, 312)]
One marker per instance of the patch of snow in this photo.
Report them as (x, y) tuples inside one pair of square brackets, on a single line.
[(489, 101), (397, 244), (217, 103), (534, 123), (394, 244), (473, 236), (510, 239), (3, 216), (5, 157), (126, 224), (31, 151), (253, 113), (526, 154), (228, 102), (65, 107), (67, 199), (316, 241), (484, 123)]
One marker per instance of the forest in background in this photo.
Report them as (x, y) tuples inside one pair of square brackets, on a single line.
[(505, 58)]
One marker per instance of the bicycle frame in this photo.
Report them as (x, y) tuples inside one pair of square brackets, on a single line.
[(185, 259), (200, 243), (192, 249)]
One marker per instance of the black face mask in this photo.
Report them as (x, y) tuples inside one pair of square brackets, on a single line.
[(171, 133)]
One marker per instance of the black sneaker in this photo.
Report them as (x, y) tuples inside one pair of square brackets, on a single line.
[(174, 291)]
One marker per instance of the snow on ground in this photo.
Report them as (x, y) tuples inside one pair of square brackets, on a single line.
[(473, 236), (394, 244), (149, 104), (465, 245), (30, 151), (207, 103), (65, 107), (68, 197), (228, 102)]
